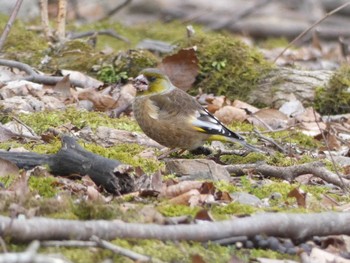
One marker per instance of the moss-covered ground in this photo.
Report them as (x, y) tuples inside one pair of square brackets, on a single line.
[(226, 64)]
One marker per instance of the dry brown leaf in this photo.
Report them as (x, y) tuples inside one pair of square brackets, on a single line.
[(87, 81), (20, 186), (223, 196), (6, 134), (207, 188), (333, 142), (309, 115), (346, 170), (244, 106), (229, 114), (101, 102), (270, 119), (63, 88), (149, 214), (215, 103), (180, 188), (299, 195), (321, 256), (197, 259), (181, 68), (203, 214), (184, 199), (8, 168), (312, 129), (93, 194)]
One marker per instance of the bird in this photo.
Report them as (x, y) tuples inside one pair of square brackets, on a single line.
[(175, 119)]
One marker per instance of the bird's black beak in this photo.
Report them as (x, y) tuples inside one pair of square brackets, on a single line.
[(140, 83)]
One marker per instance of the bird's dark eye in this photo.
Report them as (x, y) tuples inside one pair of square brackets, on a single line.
[(151, 79)]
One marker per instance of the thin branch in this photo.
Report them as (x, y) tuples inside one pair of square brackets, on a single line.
[(344, 186), (116, 9), (119, 250), (36, 77), (107, 32), (61, 20), (27, 127), (298, 227), (270, 140), (10, 23), (245, 13), (311, 27), (289, 173), (45, 19)]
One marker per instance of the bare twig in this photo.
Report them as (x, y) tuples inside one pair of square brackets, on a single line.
[(45, 19), (243, 14), (10, 23), (107, 32), (116, 9), (270, 140), (311, 27), (26, 126), (36, 77), (295, 226), (119, 250), (96, 242), (61, 20), (289, 173), (344, 186), (68, 243)]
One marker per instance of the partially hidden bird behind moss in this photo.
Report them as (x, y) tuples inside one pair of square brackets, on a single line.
[(173, 118)]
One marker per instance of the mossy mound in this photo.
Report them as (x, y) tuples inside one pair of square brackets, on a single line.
[(228, 66), (335, 97), (22, 44), (126, 64)]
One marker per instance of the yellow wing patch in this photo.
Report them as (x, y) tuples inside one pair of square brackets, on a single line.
[(199, 129), (218, 137)]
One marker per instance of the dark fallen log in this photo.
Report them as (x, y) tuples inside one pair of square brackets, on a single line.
[(73, 159)]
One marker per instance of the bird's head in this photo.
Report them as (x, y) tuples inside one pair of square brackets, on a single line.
[(151, 81)]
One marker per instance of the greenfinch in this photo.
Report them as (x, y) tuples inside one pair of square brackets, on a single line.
[(173, 118)]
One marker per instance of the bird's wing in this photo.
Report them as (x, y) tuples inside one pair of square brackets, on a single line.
[(178, 105), (175, 104), (205, 122)]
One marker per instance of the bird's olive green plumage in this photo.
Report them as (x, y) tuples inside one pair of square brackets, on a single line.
[(173, 118)]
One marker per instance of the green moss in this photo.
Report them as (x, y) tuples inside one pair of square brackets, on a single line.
[(134, 61), (126, 153), (170, 210), (87, 210), (294, 137), (23, 44), (241, 67), (250, 158), (334, 98), (74, 55), (179, 252), (42, 121), (82, 255), (272, 43), (53, 207), (234, 208), (43, 185), (7, 180), (125, 65), (226, 186)]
